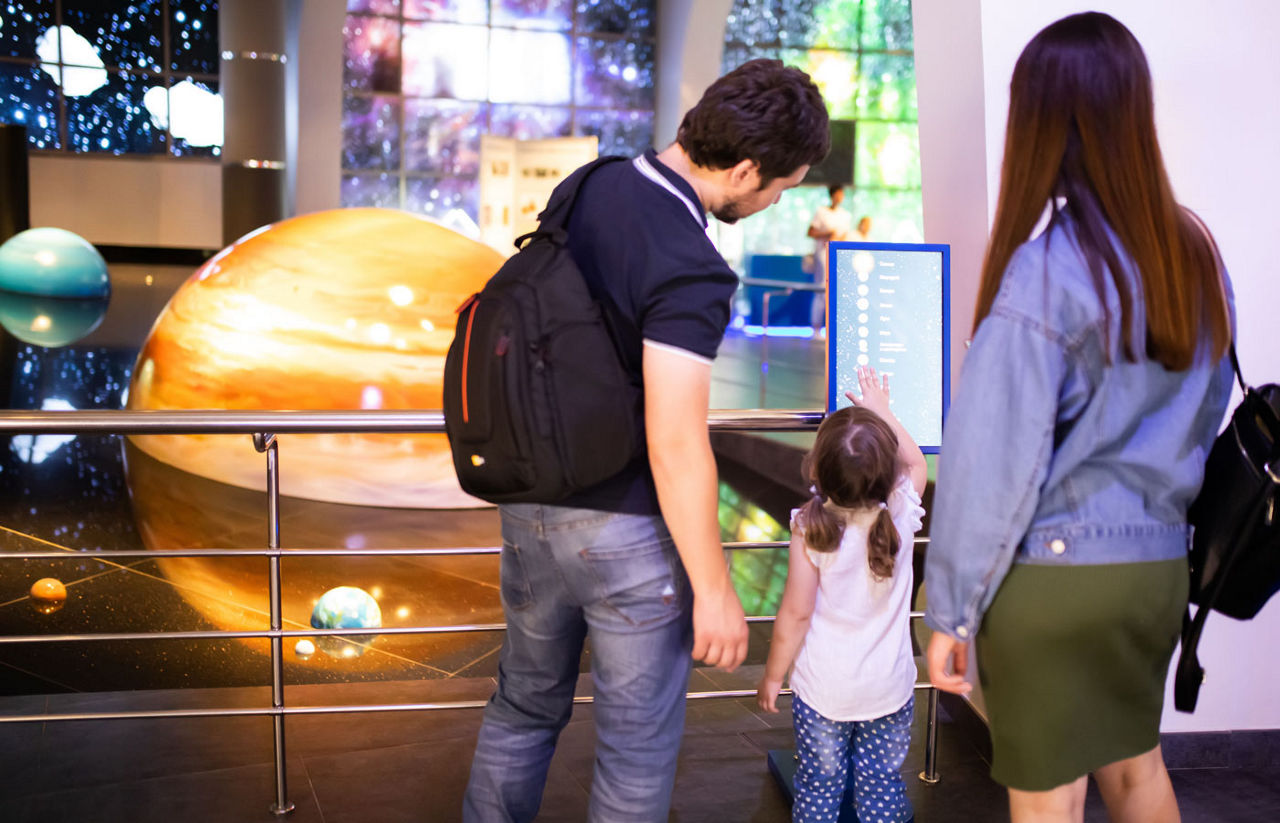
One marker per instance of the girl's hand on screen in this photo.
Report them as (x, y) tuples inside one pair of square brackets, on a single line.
[(875, 391)]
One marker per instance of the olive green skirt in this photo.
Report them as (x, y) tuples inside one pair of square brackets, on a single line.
[(1072, 662)]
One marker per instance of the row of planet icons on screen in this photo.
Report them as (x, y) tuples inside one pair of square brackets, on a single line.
[(342, 607), (863, 263)]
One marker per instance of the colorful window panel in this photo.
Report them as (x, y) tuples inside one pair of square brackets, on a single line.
[(528, 69), (859, 53), (106, 76), (615, 73), (29, 98), (443, 137)]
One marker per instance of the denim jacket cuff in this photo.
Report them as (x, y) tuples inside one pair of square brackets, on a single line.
[(960, 631)]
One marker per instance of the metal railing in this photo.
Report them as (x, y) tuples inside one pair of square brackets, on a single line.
[(778, 288), (264, 426)]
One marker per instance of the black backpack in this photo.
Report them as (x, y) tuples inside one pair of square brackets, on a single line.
[(537, 403), (1235, 543)]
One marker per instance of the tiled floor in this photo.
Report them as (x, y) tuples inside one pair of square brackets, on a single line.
[(390, 767)]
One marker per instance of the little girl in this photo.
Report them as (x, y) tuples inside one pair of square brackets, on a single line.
[(845, 613)]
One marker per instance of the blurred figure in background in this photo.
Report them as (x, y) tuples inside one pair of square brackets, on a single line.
[(829, 223)]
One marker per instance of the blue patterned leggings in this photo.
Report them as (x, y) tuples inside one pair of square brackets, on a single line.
[(862, 758)]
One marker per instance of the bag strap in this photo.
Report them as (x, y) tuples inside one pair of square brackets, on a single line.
[(1190, 674), (1217, 258), (1245, 388), (553, 219)]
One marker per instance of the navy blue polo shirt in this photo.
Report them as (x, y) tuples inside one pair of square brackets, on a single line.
[(646, 257)]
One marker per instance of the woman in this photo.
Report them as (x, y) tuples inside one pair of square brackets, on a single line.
[(1092, 391)]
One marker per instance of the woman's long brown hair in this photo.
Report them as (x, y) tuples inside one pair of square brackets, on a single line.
[(1082, 126), (853, 464)]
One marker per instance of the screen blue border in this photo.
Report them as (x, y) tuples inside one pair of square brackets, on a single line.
[(945, 250)]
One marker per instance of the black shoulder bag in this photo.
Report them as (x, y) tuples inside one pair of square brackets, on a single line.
[(1235, 544)]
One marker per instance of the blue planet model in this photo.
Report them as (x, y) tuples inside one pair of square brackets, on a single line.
[(53, 263), (50, 321), (345, 607)]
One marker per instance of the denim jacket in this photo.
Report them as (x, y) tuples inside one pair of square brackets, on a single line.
[(1053, 455)]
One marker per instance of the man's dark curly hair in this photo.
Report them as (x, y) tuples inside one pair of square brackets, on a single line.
[(762, 111)]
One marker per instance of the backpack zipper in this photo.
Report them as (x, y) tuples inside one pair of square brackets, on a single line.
[(466, 351)]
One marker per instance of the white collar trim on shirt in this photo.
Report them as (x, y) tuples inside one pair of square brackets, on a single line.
[(646, 168)]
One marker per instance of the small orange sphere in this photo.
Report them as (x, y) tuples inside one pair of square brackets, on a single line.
[(49, 589)]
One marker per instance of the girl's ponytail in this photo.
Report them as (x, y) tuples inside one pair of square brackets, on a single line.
[(854, 464), (882, 544), (822, 529)]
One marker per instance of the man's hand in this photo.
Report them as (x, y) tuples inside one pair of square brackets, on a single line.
[(947, 652), (719, 628), (767, 694)]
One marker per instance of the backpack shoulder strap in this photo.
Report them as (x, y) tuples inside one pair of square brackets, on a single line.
[(560, 205)]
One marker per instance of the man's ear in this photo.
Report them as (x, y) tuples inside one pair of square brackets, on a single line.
[(745, 173)]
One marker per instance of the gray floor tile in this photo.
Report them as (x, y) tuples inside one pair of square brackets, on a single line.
[(238, 794)]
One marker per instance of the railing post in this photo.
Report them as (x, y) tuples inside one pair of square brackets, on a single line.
[(267, 443), (764, 338), (930, 773)]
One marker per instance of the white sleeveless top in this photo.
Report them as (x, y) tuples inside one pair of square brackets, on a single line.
[(856, 662)]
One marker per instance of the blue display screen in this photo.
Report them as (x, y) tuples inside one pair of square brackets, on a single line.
[(888, 309)]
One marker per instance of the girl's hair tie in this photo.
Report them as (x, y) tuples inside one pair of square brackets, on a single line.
[(884, 506), (813, 490)]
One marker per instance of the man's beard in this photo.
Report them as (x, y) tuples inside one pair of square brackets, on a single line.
[(729, 213)]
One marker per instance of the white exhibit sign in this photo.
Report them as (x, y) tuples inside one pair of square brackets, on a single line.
[(517, 177)]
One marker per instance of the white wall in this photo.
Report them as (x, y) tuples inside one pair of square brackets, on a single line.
[(148, 201), (1217, 131), (315, 146), (948, 52), (690, 44), (162, 201)]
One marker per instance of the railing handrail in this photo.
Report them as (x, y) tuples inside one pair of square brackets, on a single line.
[(264, 425), (226, 421), (151, 554)]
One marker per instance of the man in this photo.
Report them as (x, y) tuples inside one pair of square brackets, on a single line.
[(635, 563), (829, 223)]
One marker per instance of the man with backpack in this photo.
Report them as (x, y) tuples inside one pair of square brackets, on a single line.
[(634, 563)]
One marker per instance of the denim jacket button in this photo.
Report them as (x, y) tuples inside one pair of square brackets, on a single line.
[(1058, 546)]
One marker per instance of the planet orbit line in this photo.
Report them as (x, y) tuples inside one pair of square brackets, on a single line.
[(167, 582)]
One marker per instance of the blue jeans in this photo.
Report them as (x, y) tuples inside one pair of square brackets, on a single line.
[(568, 574), (851, 765)]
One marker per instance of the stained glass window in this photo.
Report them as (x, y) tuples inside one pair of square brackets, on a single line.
[(618, 132), (112, 118), (195, 117), (376, 6), (121, 35), (371, 133), (859, 53), (534, 14), (451, 11), (426, 79), (616, 17), (379, 190), (530, 122), (115, 76), (371, 54), (24, 21), (193, 37), (29, 98), (615, 73), (529, 67), (443, 137)]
